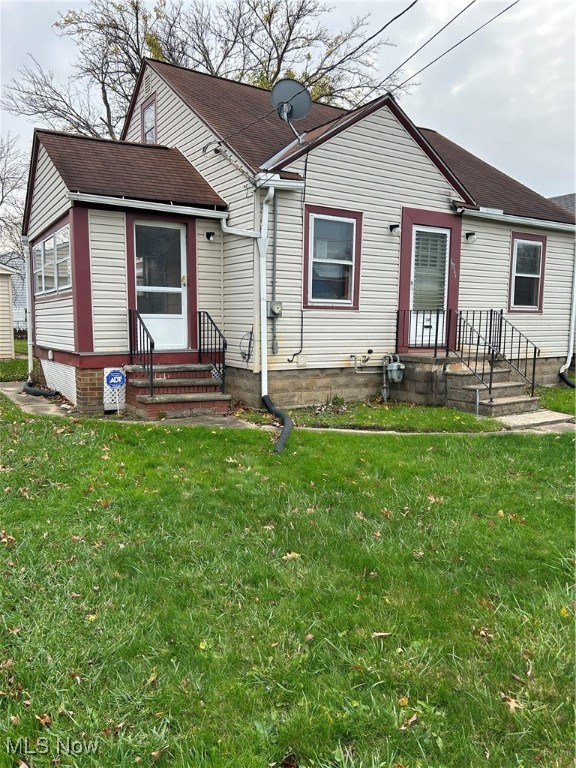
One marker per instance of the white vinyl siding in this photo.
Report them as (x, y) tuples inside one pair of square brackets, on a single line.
[(485, 279), (209, 256), (109, 280), (178, 126), (6, 322), (55, 323), (49, 201), (374, 167)]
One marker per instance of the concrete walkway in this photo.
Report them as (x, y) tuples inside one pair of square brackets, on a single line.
[(542, 421)]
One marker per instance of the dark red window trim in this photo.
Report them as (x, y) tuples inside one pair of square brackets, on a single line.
[(320, 210), (145, 104), (527, 310)]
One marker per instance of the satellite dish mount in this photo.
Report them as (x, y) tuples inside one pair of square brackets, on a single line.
[(292, 102)]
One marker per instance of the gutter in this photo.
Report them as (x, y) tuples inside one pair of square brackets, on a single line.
[(525, 221), (29, 318)]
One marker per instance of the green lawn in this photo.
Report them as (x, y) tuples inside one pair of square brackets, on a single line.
[(13, 370), (21, 346), (185, 597), (561, 398), (377, 415)]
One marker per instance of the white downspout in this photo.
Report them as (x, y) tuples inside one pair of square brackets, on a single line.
[(572, 320), (29, 319), (262, 251)]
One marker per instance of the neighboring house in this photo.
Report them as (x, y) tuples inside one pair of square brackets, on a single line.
[(14, 261), (374, 237), (6, 319), (566, 201)]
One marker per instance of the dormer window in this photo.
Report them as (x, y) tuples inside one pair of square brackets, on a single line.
[(149, 121)]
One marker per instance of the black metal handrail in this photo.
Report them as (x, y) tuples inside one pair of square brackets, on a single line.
[(477, 337), (212, 345), (141, 346)]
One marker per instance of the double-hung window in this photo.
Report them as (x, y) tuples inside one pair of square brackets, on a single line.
[(527, 272), (51, 262), (333, 258)]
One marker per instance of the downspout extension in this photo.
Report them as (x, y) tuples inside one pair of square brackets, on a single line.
[(262, 250), (562, 372)]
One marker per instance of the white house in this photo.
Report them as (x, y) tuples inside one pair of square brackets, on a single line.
[(6, 312), (211, 241)]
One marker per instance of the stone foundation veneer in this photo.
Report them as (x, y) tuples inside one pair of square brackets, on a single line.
[(424, 382)]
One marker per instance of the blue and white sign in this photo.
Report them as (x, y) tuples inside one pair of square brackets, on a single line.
[(115, 379)]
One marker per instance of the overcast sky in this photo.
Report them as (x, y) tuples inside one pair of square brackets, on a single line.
[(507, 95)]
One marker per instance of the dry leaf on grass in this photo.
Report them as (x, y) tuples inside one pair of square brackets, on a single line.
[(376, 635), (290, 556), (44, 719), (410, 722)]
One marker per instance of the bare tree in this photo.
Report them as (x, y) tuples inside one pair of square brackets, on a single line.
[(13, 174), (254, 41)]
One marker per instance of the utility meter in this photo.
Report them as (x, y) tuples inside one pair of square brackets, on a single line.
[(274, 309)]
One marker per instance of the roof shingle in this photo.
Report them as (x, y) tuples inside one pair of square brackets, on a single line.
[(121, 169)]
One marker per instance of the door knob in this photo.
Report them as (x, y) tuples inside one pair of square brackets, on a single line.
[(183, 280)]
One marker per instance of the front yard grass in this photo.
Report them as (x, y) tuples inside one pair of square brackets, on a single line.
[(561, 398), (185, 597), (377, 415), (13, 370)]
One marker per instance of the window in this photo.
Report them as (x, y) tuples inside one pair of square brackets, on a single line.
[(527, 272), (51, 262), (332, 258), (149, 121)]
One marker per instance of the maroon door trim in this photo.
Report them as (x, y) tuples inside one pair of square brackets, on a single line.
[(412, 217), (81, 279), (191, 265)]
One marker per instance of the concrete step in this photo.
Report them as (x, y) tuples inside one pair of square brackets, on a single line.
[(172, 368), (167, 383), (174, 406), (503, 406), (467, 393), (464, 377)]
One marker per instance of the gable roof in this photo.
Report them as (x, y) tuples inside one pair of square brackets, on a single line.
[(491, 188), (228, 106), (243, 117), (124, 170)]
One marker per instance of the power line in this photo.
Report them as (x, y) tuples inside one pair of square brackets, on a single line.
[(218, 142), (454, 46), (399, 67)]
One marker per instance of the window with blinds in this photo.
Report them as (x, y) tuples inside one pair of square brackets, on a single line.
[(430, 262)]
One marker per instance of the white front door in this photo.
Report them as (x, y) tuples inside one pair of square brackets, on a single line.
[(428, 286), (161, 282)]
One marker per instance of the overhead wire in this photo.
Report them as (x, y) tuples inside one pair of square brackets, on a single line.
[(463, 40)]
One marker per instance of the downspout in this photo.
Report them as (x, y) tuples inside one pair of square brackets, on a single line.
[(562, 372), (274, 259), (262, 242), (29, 319)]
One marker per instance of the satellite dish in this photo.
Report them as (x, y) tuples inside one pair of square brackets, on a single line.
[(291, 100)]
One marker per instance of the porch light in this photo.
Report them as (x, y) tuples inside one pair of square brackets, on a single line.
[(210, 237), (395, 229), (470, 237)]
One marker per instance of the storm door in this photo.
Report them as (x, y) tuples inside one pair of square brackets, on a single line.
[(161, 281), (428, 285)]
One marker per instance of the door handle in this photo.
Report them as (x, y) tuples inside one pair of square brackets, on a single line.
[(183, 280)]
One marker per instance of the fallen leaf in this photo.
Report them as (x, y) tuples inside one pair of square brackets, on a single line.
[(291, 556), (14, 630), (44, 719), (403, 702), (157, 754), (485, 634), (22, 764), (6, 539), (309, 637), (512, 704), (376, 635), (153, 679), (409, 723), (14, 720), (360, 515)]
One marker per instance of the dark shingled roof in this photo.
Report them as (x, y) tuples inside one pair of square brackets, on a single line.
[(227, 106), (566, 201), (491, 188), (120, 169)]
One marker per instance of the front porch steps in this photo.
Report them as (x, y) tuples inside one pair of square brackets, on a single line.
[(508, 393), (180, 391)]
